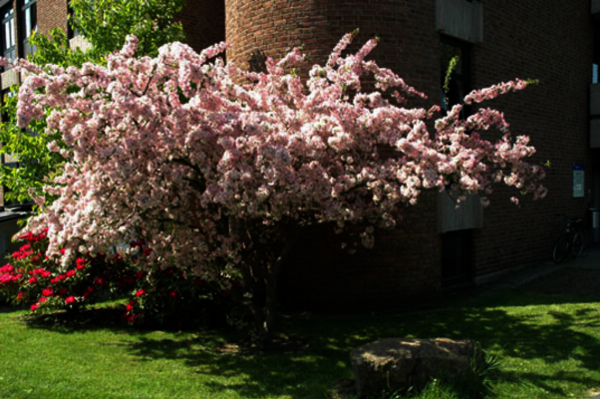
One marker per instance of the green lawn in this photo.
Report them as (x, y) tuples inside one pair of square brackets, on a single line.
[(549, 347)]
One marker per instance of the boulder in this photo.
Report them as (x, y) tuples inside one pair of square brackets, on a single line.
[(398, 363)]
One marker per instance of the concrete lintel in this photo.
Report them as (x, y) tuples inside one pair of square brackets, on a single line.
[(460, 19), (469, 215)]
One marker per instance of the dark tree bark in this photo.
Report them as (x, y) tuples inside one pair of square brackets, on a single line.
[(264, 251)]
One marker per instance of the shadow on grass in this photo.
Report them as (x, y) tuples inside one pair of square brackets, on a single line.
[(315, 352), (99, 317), (7, 308)]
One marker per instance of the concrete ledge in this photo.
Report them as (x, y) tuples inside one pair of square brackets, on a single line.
[(81, 43), (13, 213), (9, 78)]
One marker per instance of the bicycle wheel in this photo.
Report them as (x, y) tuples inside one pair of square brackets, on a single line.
[(561, 247), (578, 244)]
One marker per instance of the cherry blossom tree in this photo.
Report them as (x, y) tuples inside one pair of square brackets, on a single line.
[(218, 169)]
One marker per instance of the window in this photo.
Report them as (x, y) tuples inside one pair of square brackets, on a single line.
[(71, 33), (27, 25), (457, 258), (8, 33), (457, 240), (459, 84)]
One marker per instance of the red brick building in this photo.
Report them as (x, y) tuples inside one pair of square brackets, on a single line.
[(436, 249)]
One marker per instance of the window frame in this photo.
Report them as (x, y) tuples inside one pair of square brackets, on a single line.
[(7, 13), (27, 23)]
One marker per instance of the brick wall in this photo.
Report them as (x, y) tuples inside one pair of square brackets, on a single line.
[(51, 14), (553, 44), (409, 43)]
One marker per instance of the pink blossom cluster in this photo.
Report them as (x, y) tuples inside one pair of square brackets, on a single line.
[(495, 91), (171, 149)]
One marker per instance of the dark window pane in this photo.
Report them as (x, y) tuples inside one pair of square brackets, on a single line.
[(459, 84)]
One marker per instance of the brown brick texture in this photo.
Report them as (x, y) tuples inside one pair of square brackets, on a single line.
[(553, 44), (52, 14)]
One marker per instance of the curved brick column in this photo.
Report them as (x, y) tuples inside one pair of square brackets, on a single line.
[(404, 262), (409, 43)]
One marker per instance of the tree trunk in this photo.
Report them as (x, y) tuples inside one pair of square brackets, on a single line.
[(260, 268)]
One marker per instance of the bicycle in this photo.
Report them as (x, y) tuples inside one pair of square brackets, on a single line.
[(573, 238)]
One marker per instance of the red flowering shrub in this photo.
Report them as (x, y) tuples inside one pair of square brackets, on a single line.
[(159, 296), (33, 278)]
